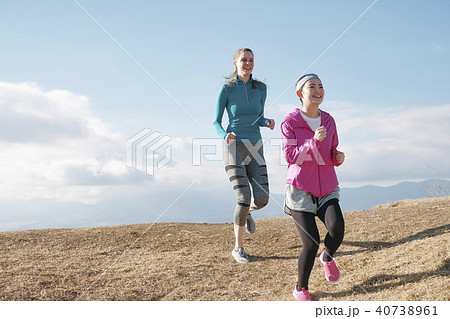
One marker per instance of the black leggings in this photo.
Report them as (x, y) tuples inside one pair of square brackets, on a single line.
[(331, 215)]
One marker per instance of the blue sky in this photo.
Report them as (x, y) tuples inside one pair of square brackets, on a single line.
[(70, 97)]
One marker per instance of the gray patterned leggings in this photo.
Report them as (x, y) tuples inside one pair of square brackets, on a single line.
[(245, 164)]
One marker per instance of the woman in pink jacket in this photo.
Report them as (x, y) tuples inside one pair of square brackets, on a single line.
[(310, 143)]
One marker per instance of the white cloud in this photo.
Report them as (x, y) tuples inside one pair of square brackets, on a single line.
[(27, 114), (394, 143), (53, 148), (60, 163), (389, 143), (55, 151), (285, 109)]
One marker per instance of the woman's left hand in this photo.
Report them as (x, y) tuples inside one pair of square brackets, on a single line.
[(340, 157), (271, 124)]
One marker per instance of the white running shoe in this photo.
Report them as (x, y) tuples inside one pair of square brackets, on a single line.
[(240, 255)]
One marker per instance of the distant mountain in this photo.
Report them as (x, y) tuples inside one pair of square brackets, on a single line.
[(193, 208), (366, 197)]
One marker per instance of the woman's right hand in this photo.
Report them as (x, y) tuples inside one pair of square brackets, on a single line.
[(230, 137), (321, 133)]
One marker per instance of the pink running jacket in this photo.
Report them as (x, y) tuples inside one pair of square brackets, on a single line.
[(310, 162)]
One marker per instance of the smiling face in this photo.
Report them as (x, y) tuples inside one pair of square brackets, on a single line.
[(244, 64), (312, 92)]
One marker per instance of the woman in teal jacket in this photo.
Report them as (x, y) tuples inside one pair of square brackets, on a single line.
[(243, 98)]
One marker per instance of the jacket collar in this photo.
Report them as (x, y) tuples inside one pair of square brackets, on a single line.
[(297, 120), (239, 80)]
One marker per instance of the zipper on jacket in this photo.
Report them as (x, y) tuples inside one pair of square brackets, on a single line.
[(318, 175), (246, 94), (317, 161)]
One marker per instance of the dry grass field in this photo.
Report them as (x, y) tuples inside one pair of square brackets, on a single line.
[(397, 251)]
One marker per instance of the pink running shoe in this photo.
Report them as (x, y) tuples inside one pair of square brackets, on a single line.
[(332, 273), (301, 295)]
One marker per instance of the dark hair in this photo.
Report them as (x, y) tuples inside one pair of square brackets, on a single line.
[(304, 75), (296, 83), (232, 78)]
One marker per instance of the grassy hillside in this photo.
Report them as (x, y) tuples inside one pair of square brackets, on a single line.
[(397, 251)]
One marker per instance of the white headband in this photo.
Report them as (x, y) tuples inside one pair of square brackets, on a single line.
[(305, 79)]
